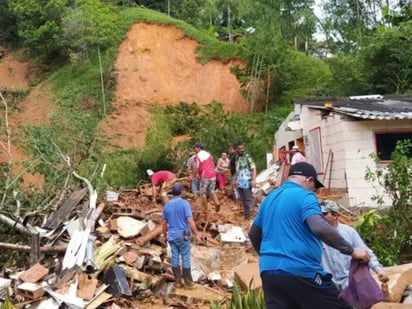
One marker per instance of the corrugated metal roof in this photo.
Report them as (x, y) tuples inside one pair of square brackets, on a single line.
[(374, 108)]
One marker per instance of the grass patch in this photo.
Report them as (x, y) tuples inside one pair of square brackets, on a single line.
[(209, 47)]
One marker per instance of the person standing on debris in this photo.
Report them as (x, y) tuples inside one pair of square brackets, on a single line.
[(191, 166), (287, 233), (222, 167), (232, 167), (161, 181), (245, 179), (178, 225), (337, 263), (297, 156), (205, 169)]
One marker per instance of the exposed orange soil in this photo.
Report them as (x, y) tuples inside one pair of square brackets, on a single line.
[(35, 110), (157, 64)]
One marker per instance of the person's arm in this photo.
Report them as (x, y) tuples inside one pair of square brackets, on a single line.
[(196, 166), (165, 226), (255, 236), (154, 194), (330, 236), (373, 263), (193, 227), (253, 183)]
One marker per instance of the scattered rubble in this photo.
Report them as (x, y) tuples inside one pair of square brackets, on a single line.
[(111, 255)]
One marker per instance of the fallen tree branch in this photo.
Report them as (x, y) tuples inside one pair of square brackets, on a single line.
[(24, 248), (18, 226)]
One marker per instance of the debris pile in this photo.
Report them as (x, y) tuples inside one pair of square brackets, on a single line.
[(112, 254)]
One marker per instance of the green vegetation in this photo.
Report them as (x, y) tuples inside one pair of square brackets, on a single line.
[(394, 224), (76, 44), (209, 48), (241, 299)]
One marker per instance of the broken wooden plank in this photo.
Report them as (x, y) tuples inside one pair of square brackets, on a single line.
[(87, 287), (248, 275), (65, 210), (24, 248), (141, 241)]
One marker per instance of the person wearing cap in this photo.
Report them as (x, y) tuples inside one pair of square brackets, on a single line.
[(297, 156), (161, 182), (337, 263), (178, 225), (245, 179), (205, 170), (287, 233)]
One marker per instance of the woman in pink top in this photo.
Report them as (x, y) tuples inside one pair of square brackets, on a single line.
[(222, 167)]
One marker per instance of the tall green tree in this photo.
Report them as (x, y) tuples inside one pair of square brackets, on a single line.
[(388, 60), (348, 23), (89, 24), (8, 25), (39, 24)]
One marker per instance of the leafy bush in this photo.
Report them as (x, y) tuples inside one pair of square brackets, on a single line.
[(388, 234), (216, 129)]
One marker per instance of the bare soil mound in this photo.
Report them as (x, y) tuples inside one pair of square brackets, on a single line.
[(13, 72), (35, 109), (157, 64)]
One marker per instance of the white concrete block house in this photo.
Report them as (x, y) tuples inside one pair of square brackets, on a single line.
[(338, 135)]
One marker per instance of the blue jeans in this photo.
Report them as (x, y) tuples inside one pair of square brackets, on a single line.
[(195, 185), (180, 248)]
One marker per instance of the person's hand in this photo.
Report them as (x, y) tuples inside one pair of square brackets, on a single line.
[(198, 239), (361, 255), (164, 241), (382, 276)]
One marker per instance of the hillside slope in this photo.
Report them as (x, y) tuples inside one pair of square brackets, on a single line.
[(156, 64)]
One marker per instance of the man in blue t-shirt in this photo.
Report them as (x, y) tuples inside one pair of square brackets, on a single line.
[(287, 234), (178, 225)]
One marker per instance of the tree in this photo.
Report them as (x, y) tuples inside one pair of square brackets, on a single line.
[(39, 24), (8, 24), (89, 24), (388, 60)]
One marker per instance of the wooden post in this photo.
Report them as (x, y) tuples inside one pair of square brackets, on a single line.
[(151, 235), (35, 247)]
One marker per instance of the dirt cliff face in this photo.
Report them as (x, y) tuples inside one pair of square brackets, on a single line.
[(157, 65)]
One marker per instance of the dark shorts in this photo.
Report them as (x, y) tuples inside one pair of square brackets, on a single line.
[(285, 291)]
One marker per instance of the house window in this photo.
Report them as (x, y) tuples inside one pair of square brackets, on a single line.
[(315, 149), (386, 143)]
